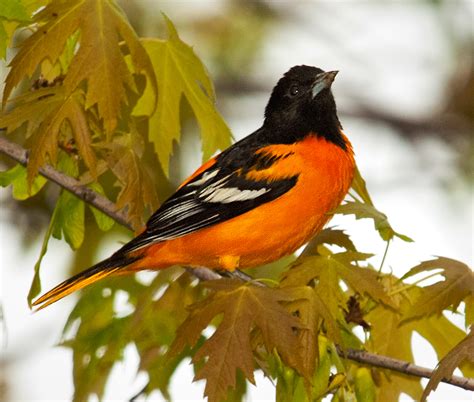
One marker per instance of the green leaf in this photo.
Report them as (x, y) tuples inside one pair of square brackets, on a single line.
[(32, 108), (16, 177), (75, 115), (66, 57), (389, 338), (443, 335), (70, 220), (104, 222), (4, 39), (360, 187), (329, 269), (464, 350), (138, 192), (312, 312), (329, 236), (361, 211), (13, 10), (336, 386), (45, 141), (181, 75), (14, 14), (469, 310), (98, 60), (35, 287), (70, 210), (289, 386), (237, 394), (458, 284), (364, 385), (323, 370), (46, 111)]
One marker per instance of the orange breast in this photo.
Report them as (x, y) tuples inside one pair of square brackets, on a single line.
[(278, 227)]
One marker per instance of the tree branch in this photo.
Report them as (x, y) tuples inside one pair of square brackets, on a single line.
[(72, 185), (402, 366)]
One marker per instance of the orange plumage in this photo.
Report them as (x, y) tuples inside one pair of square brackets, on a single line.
[(259, 200), (275, 229)]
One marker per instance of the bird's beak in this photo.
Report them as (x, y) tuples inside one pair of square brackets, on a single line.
[(323, 81)]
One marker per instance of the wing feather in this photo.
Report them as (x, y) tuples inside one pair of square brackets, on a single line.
[(213, 195)]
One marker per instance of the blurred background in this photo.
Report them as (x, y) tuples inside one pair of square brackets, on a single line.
[(405, 95)]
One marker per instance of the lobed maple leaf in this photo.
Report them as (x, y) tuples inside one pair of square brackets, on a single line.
[(312, 313), (469, 310), (391, 335), (443, 335), (13, 10), (389, 338), (13, 13), (137, 192), (323, 370), (46, 112), (329, 236), (31, 109), (329, 270), (360, 187), (457, 286), (104, 222), (365, 388), (181, 75), (99, 59), (363, 210), (16, 177), (464, 350), (243, 307)]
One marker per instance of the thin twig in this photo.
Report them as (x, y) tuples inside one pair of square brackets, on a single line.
[(103, 204), (70, 184), (402, 366)]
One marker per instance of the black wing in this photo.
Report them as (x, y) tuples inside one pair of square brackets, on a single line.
[(217, 194)]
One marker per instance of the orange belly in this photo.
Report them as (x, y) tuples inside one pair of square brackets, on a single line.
[(276, 228)]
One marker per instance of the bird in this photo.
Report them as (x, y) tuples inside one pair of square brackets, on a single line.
[(258, 200)]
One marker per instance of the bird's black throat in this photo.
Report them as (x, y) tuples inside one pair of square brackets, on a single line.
[(317, 117)]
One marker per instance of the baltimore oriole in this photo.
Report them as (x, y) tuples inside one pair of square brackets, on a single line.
[(260, 199)]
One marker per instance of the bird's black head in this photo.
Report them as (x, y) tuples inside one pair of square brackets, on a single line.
[(302, 102)]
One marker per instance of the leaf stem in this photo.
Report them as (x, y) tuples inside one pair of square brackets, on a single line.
[(384, 256), (355, 198)]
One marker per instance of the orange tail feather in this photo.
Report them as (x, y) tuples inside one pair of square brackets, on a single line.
[(83, 279)]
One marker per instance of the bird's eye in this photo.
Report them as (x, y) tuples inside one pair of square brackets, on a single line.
[(294, 90)]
